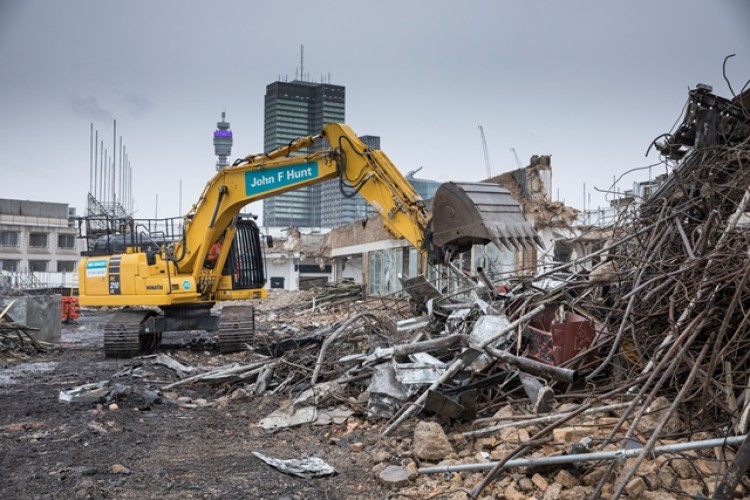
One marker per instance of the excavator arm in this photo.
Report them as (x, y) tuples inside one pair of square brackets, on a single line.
[(218, 256), (359, 170), (465, 213)]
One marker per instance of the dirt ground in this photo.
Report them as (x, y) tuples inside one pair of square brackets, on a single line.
[(201, 448)]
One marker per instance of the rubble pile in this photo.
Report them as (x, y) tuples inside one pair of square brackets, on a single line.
[(676, 308), (646, 348), (670, 292)]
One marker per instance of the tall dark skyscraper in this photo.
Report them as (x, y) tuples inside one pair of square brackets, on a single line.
[(295, 109)]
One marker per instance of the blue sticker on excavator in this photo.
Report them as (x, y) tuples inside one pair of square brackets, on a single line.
[(96, 268), (261, 181)]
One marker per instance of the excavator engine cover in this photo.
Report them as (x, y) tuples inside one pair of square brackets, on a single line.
[(466, 214)]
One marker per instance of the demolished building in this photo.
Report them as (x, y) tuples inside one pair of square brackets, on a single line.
[(365, 252)]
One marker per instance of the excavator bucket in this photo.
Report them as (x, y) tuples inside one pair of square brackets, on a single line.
[(466, 214)]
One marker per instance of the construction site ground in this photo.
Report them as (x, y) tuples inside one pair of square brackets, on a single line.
[(53, 449), (200, 437)]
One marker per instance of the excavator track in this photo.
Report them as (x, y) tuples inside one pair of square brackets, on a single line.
[(236, 328), (123, 337)]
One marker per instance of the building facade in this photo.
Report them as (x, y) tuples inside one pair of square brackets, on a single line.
[(295, 109), (38, 239)]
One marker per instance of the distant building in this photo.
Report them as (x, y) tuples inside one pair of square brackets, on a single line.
[(38, 240), (627, 201), (222, 142), (425, 187), (295, 109)]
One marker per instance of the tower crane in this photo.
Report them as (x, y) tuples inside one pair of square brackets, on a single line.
[(486, 154)]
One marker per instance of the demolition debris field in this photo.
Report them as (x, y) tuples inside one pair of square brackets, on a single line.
[(622, 373), (197, 447), (185, 423)]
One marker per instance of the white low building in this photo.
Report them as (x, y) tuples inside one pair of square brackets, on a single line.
[(38, 244)]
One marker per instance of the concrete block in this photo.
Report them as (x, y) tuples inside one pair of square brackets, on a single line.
[(540, 482), (37, 311), (635, 487)]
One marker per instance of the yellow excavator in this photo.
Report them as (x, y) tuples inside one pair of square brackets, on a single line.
[(167, 275)]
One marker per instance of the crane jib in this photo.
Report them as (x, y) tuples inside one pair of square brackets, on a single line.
[(261, 181)]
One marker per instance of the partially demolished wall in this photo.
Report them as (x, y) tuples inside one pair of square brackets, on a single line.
[(530, 186)]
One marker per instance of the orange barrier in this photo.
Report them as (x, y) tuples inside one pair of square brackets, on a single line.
[(71, 309)]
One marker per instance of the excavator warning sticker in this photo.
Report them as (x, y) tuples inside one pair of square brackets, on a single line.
[(96, 268), (261, 181)]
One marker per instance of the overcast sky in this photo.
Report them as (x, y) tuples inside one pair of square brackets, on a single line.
[(590, 82)]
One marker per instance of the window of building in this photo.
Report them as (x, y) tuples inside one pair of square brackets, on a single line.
[(385, 266), (498, 263), (66, 266), (313, 268), (562, 252), (38, 266), (66, 241), (376, 273), (10, 266), (38, 240), (9, 238)]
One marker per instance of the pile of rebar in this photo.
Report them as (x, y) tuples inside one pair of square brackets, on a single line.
[(678, 311), (676, 305)]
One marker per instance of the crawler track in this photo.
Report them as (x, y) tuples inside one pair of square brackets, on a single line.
[(123, 337), (236, 328)]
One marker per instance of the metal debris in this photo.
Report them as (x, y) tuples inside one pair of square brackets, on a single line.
[(306, 409), (96, 392), (307, 468)]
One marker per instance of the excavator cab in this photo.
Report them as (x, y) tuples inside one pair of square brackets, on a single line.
[(245, 262)]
